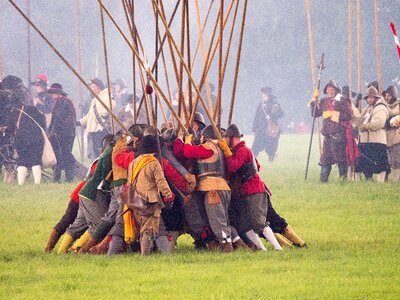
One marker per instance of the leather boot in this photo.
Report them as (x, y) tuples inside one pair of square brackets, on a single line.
[(102, 247), (227, 247), (325, 171), (240, 245), (294, 238), (65, 243), (282, 241), (146, 244), (342, 170), (52, 241), (79, 243), (89, 244)]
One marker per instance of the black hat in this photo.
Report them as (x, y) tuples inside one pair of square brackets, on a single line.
[(98, 82), (233, 131), (346, 92), (169, 135), (56, 88), (41, 80), (149, 144), (199, 118), (11, 82), (208, 133), (266, 90), (333, 84), (392, 91), (120, 82), (374, 84), (109, 139)]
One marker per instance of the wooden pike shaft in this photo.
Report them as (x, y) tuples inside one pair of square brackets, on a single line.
[(217, 110), (378, 52), (146, 68), (188, 72), (103, 30), (349, 43), (358, 47), (68, 64), (237, 63)]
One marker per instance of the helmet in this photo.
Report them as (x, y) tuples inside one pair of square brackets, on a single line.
[(333, 84), (199, 118), (169, 135), (136, 131), (208, 133), (233, 131)]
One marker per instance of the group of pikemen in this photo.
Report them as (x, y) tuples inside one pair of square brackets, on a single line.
[(148, 187), (359, 138)]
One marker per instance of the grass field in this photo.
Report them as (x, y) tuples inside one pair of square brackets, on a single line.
[(352, 230)]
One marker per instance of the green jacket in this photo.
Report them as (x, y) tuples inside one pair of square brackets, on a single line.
[(103, 168)]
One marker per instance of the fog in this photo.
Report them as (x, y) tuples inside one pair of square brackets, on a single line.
[(275, 47)]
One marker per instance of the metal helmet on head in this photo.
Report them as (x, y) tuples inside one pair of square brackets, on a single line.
[(208, 133), (199, 118)]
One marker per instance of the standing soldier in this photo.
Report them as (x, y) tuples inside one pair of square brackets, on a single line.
[(43, 101), (265, 125), (62, 129), (373, 149), (336, 113), (393, 133), (97, 119)]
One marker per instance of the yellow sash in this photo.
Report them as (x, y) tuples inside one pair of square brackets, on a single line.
[(130, 229)]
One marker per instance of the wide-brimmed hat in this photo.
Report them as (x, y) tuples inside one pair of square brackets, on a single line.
[(96, 81), (233, 131), (41, 80), (56, 88), (333, 84), (11, 82), (266, 90), (120, 82), (371, 91), (346, 92)]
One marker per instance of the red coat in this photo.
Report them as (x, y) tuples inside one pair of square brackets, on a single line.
[(242, 155), (177, 150), (201, 152), (74, 195)]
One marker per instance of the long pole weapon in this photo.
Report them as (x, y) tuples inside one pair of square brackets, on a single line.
[(378, 52), (321, 66), (79, 59)]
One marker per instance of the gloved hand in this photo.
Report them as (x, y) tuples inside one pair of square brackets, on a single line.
[(316, 94), (191, 182), (225, 148), (169, 200), (77, 123), (395, 121), (312, 101), (189, 139)]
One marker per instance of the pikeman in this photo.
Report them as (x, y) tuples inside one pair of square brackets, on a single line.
[(210, 201), (336, 113), (249, 195)]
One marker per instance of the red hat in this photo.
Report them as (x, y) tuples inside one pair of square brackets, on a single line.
[(42, 77)]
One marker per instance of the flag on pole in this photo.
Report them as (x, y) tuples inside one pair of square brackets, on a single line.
[(396, 39)]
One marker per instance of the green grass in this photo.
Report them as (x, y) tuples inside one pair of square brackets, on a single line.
[(351, 228)]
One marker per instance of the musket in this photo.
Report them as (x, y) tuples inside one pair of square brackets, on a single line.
[(321, 66)]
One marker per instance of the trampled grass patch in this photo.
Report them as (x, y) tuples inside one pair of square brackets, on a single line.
[(351, 228)]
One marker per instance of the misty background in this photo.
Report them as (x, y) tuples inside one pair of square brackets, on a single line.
[(275, 49)]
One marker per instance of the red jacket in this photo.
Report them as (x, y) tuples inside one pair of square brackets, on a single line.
[(242, 155), (191, 151), (177, 150), (124, 158), (74, 195)]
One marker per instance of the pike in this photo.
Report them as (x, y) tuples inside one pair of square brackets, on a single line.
[(321, 66)]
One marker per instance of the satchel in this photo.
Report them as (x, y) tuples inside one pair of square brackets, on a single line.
[(48, 157), (136, 202), (272, 129)]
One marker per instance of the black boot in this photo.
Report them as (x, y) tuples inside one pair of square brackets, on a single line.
[(342, 170), (325, 171), (56, 174)]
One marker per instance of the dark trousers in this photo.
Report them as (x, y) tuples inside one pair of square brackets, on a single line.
[(264, 142), (65, 158), (68, 218)]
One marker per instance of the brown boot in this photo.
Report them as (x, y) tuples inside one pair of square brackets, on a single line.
[(53, 239), (89, 244), (146, 244), (240, 245), (282, 241), (213, 245), (293, 237), (227, 247), (102, 247)]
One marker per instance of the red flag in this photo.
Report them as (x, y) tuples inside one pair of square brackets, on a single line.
[(396, 39)]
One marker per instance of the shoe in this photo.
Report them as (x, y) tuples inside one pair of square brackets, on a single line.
[(227, 247)]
